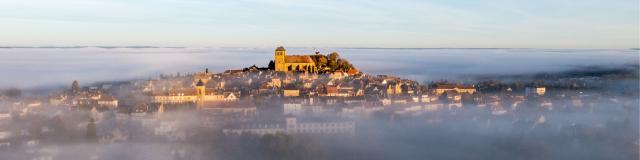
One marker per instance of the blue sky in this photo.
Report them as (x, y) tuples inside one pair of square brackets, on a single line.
[(322, 23)]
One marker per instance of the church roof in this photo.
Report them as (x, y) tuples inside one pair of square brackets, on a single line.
[(281, 48), (298, 59), (352, 71)]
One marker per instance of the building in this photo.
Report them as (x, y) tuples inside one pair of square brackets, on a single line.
[(199, 95), (394, 89), (292, 109), (535, 91), (291, 92), (293, 125), (286, 63), (108, 101), (440, 89)]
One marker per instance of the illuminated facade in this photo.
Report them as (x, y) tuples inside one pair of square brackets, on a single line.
[(286, 63)]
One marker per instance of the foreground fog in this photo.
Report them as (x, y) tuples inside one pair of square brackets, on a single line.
[(161, 103), (43, 67)]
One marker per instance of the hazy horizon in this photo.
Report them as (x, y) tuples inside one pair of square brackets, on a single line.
[(354, 23), (60, 66)]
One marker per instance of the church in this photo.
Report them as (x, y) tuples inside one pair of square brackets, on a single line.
[(285, 63)]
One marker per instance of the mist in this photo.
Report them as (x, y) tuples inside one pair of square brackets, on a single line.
[(50, 66), (524, 104)]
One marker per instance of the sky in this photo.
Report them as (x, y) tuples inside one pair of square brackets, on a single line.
[(322, 23)]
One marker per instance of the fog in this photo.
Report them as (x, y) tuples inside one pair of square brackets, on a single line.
[(44, 67), (606, 132), (581, 116)]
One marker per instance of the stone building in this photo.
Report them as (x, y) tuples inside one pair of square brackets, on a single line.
[(285, 63), (293, 125)]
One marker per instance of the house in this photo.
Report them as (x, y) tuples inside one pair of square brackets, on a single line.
[(332, 91), (199, 95), (338, 75), (275, 82), (108, 101), (440, 89), (291, 92)]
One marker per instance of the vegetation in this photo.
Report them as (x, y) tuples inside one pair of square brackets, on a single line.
[(332, 62), (75, 87), (272, 65)]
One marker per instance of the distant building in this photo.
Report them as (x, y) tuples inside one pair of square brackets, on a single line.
[(198, 95), (440, 89), (293, 125), (394, 89), (338, 75), (291, 92), (535, 91), (292, 109), (108, 101)]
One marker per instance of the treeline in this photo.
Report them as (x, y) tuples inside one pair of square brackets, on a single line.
[(332, 62)]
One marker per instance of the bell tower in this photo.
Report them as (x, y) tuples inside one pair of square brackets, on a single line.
[(279, 59), (200, 93), (200, 88)]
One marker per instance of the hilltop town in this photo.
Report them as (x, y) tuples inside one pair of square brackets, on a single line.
[(295, 94)]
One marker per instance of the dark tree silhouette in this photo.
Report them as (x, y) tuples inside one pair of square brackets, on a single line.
[(272, 65), (75, 87)]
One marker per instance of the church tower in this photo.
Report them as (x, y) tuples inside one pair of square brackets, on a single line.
[(279, 59), (200, 92), (200, 88)]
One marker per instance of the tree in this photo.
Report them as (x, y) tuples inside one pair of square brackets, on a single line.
[(320, 60), (75, 87), (272, 65), (13, 93), (344, 65), (334, 56), (323, 61), (333, 60)]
